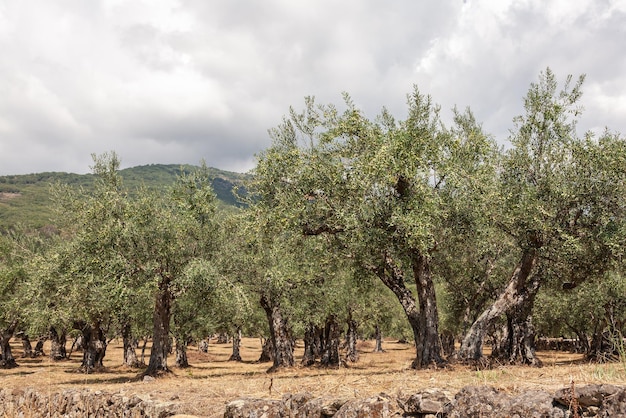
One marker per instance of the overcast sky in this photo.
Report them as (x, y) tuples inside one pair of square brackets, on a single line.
[(178, 81)]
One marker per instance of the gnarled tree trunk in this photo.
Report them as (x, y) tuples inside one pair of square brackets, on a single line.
[(352, 355), (39, 347), (393, 278), (378, 335), (513, 295), (27, 347), (161, 331), (203, 346), (182, 361), (130, 345), (308, 358), (236, 355), (94, 345), (57, 344), (330, 355), (279, 334), (425, 320), (267, 351), (7, 360), (428, 345), (518, 346)]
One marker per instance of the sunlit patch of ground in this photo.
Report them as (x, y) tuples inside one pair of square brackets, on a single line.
[(5, 196), (212, 380)]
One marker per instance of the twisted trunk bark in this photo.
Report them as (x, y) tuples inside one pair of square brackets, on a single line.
[(425, 320), (161, 331), (182, 361), (7, 361), (519, 345), (330, 355), (236, 355), (27, 347), (428, 346), (393, 278), (279, 334), (57, 344), (94, 345), (130, 347), (352, 354), (308, 358), (267, 351), (515, 293), (379, 340), (39, 347)]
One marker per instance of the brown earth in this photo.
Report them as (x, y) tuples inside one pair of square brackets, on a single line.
[(212, 381)]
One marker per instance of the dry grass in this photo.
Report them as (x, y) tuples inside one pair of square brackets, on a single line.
[(212, 380)]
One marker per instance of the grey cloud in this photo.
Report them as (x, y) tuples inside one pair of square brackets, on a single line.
[(180, 81)]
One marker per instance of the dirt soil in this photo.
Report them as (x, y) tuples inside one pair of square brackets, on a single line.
[(204, 388)]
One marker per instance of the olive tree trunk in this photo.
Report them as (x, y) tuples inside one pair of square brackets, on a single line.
[(330, 354), (57, 344), (39, 347), (130, 345), (279, 334), (182, 361), (378, 335), (308, 358), (515, 294), (236, 355), (161, 331), (425, 320), (352, 355), (94, 345), (267, 351), (519, 343), (428, 344), (7, 361), (27, 346)]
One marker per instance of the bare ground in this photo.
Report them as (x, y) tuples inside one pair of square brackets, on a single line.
[(212, 381)]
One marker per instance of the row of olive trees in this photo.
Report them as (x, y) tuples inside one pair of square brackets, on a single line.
[(164, 265), (344, 216), (413, 200), (132, 263)]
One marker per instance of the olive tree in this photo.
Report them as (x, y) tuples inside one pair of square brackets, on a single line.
[(559, 201), (124, 245), (380, 187)]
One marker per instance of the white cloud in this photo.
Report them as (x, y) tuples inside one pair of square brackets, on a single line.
[(180, 81)]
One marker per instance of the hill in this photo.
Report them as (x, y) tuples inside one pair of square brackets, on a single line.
[(26, 198)]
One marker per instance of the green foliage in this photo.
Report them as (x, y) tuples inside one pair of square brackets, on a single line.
[(584, 310)]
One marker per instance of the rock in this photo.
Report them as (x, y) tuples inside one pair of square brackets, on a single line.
[(147, 379), (254, 408), (319, 407), (79, 403), (431, 402), (381, 406), (589, 395), (534, 403), (614, 405), (292, 403), (487, 402)]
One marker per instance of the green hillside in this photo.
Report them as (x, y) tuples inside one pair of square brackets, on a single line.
[(26, 198)]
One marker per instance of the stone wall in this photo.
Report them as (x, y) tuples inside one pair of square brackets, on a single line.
[(473, 401), (470, 402), (79, 404)]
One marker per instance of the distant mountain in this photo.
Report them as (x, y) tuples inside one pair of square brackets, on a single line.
[(26, 198)]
